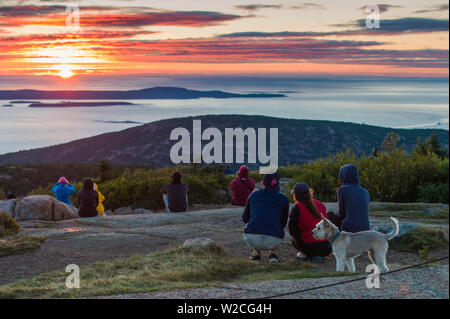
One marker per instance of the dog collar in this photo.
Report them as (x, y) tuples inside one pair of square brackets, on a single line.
[(335, 237)]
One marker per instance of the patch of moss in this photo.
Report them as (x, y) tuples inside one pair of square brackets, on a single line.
[(173, 269), (19, 245)]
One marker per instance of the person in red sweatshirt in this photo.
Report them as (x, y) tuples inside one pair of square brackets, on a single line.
[(242, 187), (303, 218)]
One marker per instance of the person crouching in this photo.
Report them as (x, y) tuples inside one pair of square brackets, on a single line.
[(303, 218), (266, 214)]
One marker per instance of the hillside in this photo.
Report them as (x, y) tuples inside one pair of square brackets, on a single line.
[(299, 141)]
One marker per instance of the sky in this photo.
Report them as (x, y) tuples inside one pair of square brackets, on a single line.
[(38, 39)]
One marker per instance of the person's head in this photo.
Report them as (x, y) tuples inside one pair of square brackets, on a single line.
[(348, 174), (176, 177), (302, 193), (271, 182), (88, 184), (63, 180), (243, 172)]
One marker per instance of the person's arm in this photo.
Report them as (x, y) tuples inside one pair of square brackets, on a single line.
[(341, 211), (54, 189), (97, 200), (246, 214), (72, 189), (294, 215)]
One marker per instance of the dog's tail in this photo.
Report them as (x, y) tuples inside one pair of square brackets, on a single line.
[(395, 231)]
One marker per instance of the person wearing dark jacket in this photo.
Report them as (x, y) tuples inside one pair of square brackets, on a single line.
[(88, 200), (265, 216), (353, 202), (10, 195), (242, 187), (303, 218), (175, 195)]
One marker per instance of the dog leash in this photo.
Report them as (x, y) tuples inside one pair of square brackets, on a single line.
[(354, 280)]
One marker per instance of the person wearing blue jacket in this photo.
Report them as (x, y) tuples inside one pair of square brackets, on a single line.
[(266, 214), (353, 202), (63, 189)]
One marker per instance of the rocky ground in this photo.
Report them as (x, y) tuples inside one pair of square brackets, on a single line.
[(85, 241)]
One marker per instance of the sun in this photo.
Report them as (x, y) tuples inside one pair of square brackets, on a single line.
[(65, 71)]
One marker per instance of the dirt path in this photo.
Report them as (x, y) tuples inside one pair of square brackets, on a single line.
[(85, 241)]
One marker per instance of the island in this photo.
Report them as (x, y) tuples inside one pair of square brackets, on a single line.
[(79, 104), (170, 93)]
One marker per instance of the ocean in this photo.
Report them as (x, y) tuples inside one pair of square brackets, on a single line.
[(391, 103)]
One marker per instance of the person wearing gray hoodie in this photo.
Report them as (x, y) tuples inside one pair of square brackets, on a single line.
[(353, 202)]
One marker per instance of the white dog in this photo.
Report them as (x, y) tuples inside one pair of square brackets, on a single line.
[(346, 246)]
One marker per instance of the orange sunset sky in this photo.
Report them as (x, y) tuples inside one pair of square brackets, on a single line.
[(118, 37)]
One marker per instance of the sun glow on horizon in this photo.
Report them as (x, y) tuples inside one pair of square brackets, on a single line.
[(65, 71)]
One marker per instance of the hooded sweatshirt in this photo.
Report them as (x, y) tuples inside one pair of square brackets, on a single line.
[(242, 187), (266, 212), (353, 201), (63, 192)]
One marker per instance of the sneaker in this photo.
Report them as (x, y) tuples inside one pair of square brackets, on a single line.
[(301, 257), (255, 258), (317, 258), (273, 258)]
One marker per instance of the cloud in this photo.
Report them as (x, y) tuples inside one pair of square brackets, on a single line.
[(410, 25), (439, 8), (383, 7), (95, 16), (256, 7), (307, 5)]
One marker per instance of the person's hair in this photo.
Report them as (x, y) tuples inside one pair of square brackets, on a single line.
[(306, 199), (176, 177), (88, 184)]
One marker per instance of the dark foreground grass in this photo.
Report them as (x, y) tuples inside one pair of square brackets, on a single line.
[(19, 245), (173, 269), (419, 238)]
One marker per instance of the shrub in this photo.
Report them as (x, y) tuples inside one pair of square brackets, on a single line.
[(8, 226), (418, 239), (433, 193), (2, 194)]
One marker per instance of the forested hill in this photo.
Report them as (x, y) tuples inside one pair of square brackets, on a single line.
[(299, 141)]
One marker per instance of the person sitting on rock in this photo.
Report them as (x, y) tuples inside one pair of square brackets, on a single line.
[(175, 195), (242, 187), (63, 189), (88, 200), (101, 199), (266, 214), (353, 202), (303, 218), (228, 170)]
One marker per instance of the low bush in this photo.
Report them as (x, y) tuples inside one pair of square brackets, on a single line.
[(8, 226)]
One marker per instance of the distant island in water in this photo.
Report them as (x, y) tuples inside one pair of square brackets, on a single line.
[(157, 93), (79, 104)]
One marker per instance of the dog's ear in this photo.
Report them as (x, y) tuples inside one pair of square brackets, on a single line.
[(327, 223)]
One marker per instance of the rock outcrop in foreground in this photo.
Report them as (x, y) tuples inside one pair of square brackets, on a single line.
[(38, 207)]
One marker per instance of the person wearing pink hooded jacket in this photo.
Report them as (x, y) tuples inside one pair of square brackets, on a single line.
[(242, 187)]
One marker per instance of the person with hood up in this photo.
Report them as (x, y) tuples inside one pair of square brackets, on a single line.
[(265, 215), (242, 187), (88, 200), (353, 202), (63, 189), (101, 199)]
